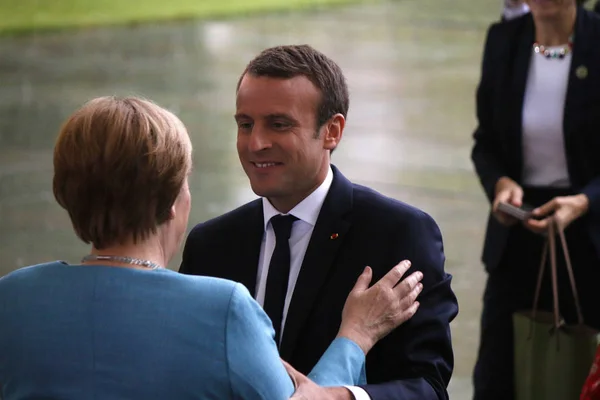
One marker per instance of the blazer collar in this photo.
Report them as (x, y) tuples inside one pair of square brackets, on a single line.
[(328, 236), (337, 203), (249, 240)]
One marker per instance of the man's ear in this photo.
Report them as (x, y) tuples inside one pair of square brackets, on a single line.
[(333, 131)]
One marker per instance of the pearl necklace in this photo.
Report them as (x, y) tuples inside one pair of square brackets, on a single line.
[(554, 53), (121, 259)]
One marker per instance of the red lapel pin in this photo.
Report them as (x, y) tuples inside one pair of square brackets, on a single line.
[(334, 236)]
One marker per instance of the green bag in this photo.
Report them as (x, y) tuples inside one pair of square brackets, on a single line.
[(552, 359)]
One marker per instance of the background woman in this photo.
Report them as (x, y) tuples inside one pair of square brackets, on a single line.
[(537, 143)]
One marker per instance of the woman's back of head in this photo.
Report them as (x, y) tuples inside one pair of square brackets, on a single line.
[(119, 166)]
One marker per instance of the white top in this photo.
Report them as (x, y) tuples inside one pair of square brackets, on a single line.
[(544, 158)]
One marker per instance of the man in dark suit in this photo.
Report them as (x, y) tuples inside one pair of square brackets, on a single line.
[(300, 248)]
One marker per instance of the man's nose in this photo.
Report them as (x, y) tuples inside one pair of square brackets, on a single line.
[(259, 140)]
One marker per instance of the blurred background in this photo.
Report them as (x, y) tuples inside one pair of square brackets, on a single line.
[(412, 67)]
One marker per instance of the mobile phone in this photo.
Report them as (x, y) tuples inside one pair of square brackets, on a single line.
[(522, 213)]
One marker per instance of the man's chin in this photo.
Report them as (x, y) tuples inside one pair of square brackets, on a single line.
[(263, 189), (266, 192)]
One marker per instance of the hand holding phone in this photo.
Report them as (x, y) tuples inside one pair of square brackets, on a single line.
[(509, 192)]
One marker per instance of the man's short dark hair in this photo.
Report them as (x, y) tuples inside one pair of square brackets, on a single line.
[(302, 60)]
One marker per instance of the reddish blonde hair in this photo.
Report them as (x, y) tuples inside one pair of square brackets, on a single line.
[(119, 165)]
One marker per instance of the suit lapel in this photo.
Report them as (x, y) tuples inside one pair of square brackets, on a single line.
[(244, 268), (577, 91), (327, 238)]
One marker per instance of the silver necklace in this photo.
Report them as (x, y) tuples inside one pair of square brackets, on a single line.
[(122, 259)]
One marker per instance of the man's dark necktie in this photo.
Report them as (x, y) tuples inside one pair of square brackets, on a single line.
[(279, 272)]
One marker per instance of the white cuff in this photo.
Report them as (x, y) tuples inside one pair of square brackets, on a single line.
[(512, 12), (358, 393)]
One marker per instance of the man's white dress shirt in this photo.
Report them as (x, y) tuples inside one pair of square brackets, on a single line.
[(307, 212)]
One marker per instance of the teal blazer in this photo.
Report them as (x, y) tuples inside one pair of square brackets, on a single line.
[(100, 332)]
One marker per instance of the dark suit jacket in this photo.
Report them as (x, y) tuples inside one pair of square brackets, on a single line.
[(497, 150), (413, 362)]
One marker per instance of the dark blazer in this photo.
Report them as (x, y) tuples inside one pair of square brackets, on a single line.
[(497, 150), (413, 362)]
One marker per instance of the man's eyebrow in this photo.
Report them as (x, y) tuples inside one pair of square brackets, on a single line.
[(240, 116), (281, 116), (273, 116)]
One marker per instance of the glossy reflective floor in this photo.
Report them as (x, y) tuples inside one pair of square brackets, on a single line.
[(412, 67)]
